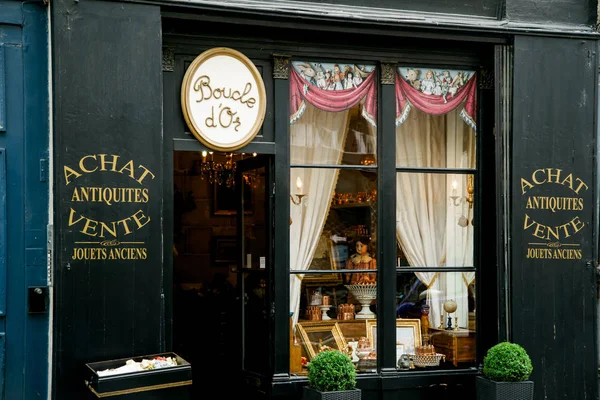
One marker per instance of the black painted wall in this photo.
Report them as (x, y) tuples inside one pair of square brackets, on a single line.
[(480, 8), (552, 12), (553, 299), (107, 100)]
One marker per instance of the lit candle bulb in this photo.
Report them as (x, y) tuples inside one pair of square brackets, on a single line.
[(254, 154), (204, 153), (454, 185), (299, 185)]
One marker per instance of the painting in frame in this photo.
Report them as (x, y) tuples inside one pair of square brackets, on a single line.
[(225, 199), (224, 250), (322, 334), (408, 333), (327, 257)]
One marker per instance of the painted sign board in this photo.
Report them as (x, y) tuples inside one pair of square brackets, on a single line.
[(223, 99), (553, 199)]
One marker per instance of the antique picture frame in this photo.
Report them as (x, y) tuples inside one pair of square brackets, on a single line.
[(327, 333), (408, 333), (323, 264), (225, 200), (224, 250)]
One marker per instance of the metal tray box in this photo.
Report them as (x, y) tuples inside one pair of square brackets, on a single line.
[(151, 384)]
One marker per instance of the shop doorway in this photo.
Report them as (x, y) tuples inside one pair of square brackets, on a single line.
[(221, 262)]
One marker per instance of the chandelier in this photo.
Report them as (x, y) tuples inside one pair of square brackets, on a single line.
[(223, 172)]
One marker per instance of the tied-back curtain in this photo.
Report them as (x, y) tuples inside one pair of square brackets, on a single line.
[(407, 96), (317, 137), (319, 124), (460, 152), (302, 92), (440, 133), (421, 203)]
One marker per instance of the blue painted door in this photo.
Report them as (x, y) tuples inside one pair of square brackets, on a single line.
[(24, 137)]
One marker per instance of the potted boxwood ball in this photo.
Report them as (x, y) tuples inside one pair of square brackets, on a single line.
[(506, 370), (331, 376)]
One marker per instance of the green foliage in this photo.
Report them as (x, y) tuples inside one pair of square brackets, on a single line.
[(331, 371), (507, 362)]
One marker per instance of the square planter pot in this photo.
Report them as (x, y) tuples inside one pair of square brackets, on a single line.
[(312, 394), (491, 390)]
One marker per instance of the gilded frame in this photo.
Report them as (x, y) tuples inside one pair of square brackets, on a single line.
[(403, 326), (329, 330), (187, 84), (325, 279)]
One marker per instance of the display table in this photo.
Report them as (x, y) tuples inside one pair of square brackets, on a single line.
[(458, 346)]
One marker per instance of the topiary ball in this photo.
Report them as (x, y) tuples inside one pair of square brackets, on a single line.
[(507, 362), (331, 371)]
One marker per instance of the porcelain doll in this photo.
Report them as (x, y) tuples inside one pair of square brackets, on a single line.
[(361, 260)]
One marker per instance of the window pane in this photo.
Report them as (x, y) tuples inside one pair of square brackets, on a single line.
[(443, 140), (330, 210), (331, 319), (333, 227), (434, 219), (333, 110), (443, 303)]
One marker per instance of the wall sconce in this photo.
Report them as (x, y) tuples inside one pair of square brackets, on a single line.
[(299, 196), (458, 200)]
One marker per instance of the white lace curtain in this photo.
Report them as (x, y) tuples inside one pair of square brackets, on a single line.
[(316, 137), (427, 226)]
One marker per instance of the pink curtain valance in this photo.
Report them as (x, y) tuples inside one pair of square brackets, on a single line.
[(332, 100), (406, 95)]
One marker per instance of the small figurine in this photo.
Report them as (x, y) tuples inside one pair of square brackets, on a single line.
[(404, 362)]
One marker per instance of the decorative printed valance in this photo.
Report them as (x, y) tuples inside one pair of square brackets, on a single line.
[(328, 87), (436, 92)]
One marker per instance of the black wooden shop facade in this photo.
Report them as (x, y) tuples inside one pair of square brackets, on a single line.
[(118, 69)]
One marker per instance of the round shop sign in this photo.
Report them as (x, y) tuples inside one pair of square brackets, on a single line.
[(223, 99)]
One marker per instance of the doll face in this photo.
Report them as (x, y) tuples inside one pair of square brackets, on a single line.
[(429, 75), (361, 248)]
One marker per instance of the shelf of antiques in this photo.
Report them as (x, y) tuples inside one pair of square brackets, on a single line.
[(458, 345)]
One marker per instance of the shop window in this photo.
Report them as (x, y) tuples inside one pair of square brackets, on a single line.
[(333, 221), (435, 129), (334, 224)]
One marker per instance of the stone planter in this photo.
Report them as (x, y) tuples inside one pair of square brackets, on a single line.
[(312, 394), (491, 390)]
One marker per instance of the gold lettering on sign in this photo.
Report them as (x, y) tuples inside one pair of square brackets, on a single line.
[(94, 228), (554, 234), (223, 116), (101, 253), (109, 234), (103, 162), (554, 254), (552, 175)]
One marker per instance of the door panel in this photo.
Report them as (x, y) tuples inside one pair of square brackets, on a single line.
[(3, 253), (254, 260), (23, 199)]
